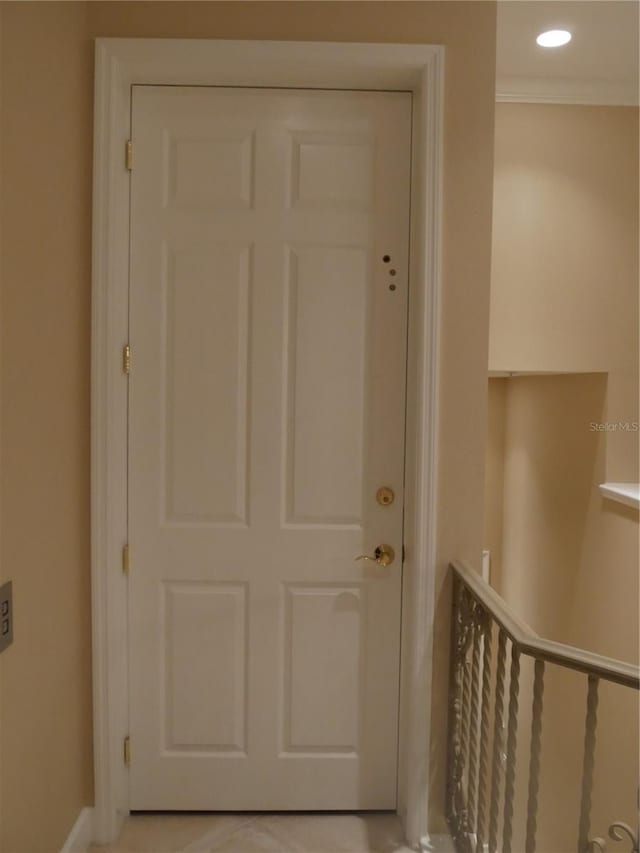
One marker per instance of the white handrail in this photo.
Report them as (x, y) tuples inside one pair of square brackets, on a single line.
[(537, 647)]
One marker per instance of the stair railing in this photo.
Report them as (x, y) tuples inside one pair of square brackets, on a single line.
[(481, 773)]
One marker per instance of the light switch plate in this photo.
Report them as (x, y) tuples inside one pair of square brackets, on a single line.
[(6, 615)]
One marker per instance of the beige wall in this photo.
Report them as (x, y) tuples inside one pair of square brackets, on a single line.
[(569, 556), (564, 290), (44, 329), (565, 298), (46, 772)]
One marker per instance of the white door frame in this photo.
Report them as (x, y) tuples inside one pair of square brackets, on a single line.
[(121, 63)]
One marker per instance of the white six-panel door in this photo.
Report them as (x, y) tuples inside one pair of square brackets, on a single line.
[(269, 251)]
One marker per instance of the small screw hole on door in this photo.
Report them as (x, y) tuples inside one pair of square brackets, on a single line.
[(386, 259), (392, 287)]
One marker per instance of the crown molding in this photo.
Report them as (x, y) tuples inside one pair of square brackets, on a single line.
[(565, 90)]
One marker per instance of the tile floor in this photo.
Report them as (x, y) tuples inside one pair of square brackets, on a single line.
[(273, 833)]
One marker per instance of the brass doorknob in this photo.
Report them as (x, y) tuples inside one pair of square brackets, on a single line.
[(384, 555)]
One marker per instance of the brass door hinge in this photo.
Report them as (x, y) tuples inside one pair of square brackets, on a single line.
[(128, 155), (125, 559), (127, 751), (126, 358)]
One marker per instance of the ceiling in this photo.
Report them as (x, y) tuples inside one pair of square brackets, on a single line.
[(599, 65)]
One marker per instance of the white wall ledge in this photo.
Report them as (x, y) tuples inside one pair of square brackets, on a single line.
[(624, 493)]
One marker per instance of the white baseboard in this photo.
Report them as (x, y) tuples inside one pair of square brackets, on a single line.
[(81, 836)]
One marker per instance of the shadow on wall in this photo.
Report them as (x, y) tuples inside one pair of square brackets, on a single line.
[(553, 462)]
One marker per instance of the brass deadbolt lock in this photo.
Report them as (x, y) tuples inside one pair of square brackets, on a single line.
[(385, 496)]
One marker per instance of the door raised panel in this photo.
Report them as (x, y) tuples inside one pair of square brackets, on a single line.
[(332, 170), (323, 668), (202, 173), (206, 320), (326, 380), (205, 667)]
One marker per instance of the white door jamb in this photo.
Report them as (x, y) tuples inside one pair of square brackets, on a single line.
[(121, 63)]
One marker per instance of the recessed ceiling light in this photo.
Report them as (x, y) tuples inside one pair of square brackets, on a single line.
[(554, 38)]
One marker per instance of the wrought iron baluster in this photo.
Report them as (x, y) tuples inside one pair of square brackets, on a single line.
[(453, 689), (617, 831), (455, 707), (483, 767), (534, 760), (589, 762), (473, 720), (510, 776), (497, 741), (466, 719)]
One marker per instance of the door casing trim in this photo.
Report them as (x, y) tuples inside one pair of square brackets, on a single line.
[(119, 64)]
